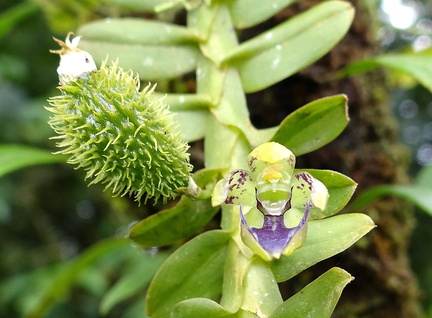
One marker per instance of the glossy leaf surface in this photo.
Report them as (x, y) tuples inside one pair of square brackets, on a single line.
[(220, 144), (247, 13), (184, 102), (325, 238), (195, 270), (192, 123), (174, 224), (191, 112), (313, 125), (136, 31), (291, 46), (261, 292), (199, 307), (137, 5), (236, 266), (232, 108), (220, 36), (318, 299), (149, 61)]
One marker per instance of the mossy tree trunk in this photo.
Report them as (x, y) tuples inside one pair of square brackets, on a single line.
[(370, 152)]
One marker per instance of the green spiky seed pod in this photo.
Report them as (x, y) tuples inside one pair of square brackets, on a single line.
[(121, 136)]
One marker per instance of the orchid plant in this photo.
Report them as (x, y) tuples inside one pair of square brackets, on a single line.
[(276, 220)]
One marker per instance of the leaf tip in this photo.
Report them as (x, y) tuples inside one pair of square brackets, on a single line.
[(345, 98)]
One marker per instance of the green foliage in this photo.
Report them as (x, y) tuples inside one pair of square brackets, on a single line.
[(325, 238), (247, 13), (417, 65), (9, 18), (137, 5), (88, 270), (307, 124), (187, 218), (419, 195), (260, 285), (199, 307), (291, 46), (70, 274), (318, 299), (128, 139), (139, 31), (419, 192), (194, 270), (149, 49), (15, 157)]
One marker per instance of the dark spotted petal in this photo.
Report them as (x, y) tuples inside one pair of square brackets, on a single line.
[(236, 188), (308, 190)]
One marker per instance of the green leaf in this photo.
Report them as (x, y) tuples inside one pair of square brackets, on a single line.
[(184, 102), (195, 270), (210, 80), (134, 280), (313, 125), (199, 307), (207, 177), (192, 111), (136, 31), (318, 299), (149, 61), (291, 46), (9, 18), (173, 225), (424, 177), (247, 13), (421, 196), (261, 292), (325, 238), (15, 157), (220, 143), (236, 266), (62, 283), (220, 37), (340, 187), (263, 135), (232, 107), (137, 5), (417, 65), (200, 20), (192, 124)]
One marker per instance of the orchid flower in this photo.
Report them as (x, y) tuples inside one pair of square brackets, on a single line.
[(274, 202)]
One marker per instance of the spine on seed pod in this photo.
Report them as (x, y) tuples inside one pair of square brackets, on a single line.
[(121, 136)]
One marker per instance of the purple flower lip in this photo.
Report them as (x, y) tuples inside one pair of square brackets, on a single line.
[(274, 236)]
